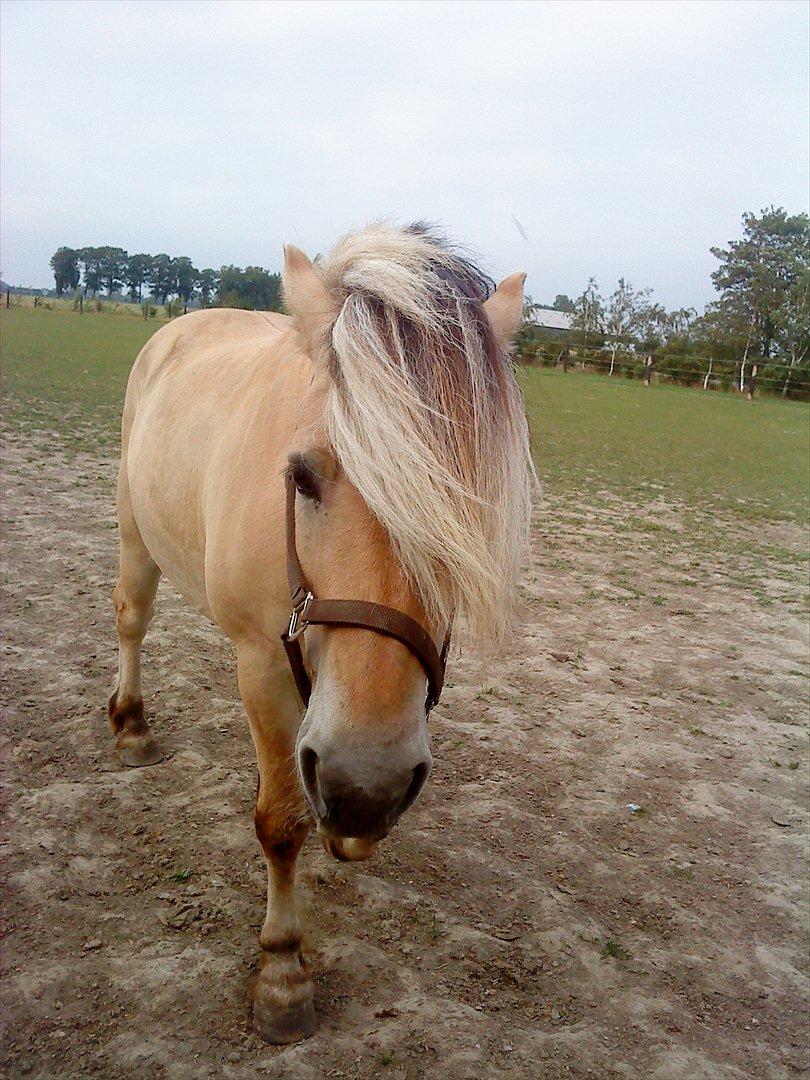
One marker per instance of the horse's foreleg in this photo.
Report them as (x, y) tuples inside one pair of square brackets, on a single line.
[(283, 1009), (134, 604)]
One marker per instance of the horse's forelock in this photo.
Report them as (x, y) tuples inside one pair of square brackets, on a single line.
[(427, 420)]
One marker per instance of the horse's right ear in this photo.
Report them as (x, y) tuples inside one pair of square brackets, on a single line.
[(307, 299), (505, 307)]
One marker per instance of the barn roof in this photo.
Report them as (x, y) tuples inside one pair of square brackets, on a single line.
[(551, 318)]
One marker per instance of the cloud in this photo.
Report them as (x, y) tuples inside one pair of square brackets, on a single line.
[(626, 138)]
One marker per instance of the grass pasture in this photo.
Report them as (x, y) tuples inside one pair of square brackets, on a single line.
[(603, 878), (710, 450), (68, 373)]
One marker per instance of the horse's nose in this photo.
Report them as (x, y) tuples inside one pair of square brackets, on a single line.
[(361, 798)]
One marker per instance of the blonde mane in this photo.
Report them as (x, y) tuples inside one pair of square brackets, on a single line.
[(427, 420)]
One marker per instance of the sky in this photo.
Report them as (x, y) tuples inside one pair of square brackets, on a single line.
[(564, 139)]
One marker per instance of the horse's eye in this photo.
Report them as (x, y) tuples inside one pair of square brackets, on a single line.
[(305, 482)]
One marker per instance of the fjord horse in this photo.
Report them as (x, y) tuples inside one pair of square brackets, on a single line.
[(374, 442)]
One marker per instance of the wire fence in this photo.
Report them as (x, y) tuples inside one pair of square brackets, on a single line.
[(94, 305), (706, 372)]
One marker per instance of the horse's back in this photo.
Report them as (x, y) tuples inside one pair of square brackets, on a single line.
[(215, 336)]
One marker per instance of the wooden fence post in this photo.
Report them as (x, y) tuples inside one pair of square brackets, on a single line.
[(751, 385), (649, 367), (8, 298)]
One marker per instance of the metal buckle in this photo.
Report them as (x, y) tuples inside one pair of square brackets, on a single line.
[(298, 623)]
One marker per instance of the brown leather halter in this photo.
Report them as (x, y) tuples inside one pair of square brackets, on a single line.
[(361, 614)]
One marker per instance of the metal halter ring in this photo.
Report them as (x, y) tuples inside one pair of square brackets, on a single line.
[(298, 621)]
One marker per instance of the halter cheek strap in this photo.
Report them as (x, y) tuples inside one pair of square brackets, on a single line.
[(359, 614)]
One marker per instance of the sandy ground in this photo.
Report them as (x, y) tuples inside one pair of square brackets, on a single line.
[(521, 920)]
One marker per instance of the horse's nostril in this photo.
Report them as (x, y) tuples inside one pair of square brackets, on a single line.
[(420, 775), (308, 763)]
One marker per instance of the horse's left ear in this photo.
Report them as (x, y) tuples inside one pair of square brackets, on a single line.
[(307, 299), (505, 307)]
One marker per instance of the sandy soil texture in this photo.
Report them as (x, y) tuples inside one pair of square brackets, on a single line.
[(521, 921)]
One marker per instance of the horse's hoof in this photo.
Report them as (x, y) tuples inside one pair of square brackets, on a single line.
[(278, 1025), (137, 751)]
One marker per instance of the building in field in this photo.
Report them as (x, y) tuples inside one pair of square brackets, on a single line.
[(546, 318)]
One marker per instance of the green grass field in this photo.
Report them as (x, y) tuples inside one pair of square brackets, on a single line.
[(66, 373), (706, 449)]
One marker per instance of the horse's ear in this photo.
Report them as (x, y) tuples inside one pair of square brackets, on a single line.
[(307, 299), (505, 307)]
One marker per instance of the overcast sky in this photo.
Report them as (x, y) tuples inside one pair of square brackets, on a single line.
[(626, 138)]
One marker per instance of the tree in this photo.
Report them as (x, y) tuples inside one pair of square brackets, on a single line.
[(185, 277), (678, 323), (757, 272), (563, 303), (263, 288), (652, 323), (253, 287), (65, 266), (589, 312), (208, 283), (230, 287), (792, 326), (92, 278), (622, 316), (112, 266), (161, 278), (137, 274)]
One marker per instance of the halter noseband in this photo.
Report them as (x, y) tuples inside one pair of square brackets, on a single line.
[(361, 614)]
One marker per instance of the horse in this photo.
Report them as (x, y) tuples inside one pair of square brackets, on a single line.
[(374, 441)]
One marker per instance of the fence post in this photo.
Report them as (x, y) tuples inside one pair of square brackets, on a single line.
[(8, 298), (649, 367), (708, 374), (751, 385)]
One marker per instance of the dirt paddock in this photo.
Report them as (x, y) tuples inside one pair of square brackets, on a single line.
[(521, 920)]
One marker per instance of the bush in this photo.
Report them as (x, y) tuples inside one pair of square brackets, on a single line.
[(149, 310)]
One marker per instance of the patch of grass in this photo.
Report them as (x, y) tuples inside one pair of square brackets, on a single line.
[(181, 876), (484, 693), (642, 525), (685, 872), (793, 765), (611, 948), (709, 450), (67, 373)]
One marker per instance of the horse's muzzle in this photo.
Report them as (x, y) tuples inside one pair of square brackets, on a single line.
[(361, 798)]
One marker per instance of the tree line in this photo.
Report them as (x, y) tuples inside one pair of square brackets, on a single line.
[(761, 316), (94, 270)]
